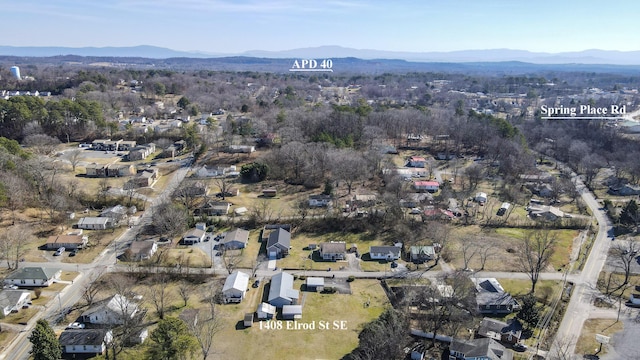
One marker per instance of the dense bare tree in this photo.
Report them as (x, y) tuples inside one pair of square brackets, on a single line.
[(535, 252), (169, 219), (205, 323), (184, 290), (447, 305), (12, 244), (74, 156), (231, 259), (159, 294), (469, 249)]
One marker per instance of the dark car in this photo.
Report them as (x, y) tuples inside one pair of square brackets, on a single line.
[(74, 252), (519, 347), (394, 264), (256, 283)]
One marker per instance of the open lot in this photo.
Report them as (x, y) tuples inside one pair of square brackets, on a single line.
[(503, 242), (267, 344)]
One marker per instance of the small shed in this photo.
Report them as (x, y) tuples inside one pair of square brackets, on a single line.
[(269, 192), (266, 311), (315, 284), (248, 320), (292, 312)]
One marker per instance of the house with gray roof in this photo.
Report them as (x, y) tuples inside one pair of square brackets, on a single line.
[(278, 243), (505, 332), (384, 252), (333, 250), (112, 311), (485, 349), (492, 299), (95, 223), (13, 301), (193, 236), (281, 291), (236, 239), (33, 276), (85, 341)]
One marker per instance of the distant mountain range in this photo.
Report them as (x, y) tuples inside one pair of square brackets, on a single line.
[(463, 56)]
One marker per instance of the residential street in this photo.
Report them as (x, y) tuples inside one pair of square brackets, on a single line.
[(72, 293), (579, 308)]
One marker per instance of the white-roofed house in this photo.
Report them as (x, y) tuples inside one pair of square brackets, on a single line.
[(266, 311), (110, 312), (95, 223), (281, 291), (384, 252), (235, 287)]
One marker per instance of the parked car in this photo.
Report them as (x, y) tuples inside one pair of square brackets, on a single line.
[(256, 283), (74, 252), (394, 265), (59, 251), (520, 347), (75, 325)]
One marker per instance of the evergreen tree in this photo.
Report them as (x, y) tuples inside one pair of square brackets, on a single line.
[(45, 343), (171, 340), (629, 215), (530, 312)]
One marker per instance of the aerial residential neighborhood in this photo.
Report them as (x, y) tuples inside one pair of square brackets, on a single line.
[(362, 205)]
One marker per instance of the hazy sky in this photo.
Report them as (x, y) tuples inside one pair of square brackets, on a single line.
[(229, 26)]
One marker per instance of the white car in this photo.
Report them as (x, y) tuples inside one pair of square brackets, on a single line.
[(75, 325), (59, 251)]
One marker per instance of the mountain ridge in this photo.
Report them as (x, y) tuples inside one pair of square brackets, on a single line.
[(589, 56)]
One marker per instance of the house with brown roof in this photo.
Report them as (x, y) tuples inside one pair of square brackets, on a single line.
[(67, 241)]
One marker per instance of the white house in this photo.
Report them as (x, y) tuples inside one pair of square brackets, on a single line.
[(110, 312), (33, 276), (281, 291), (417, 161), (481, 197), (235, 286), (319, 200), (193, 236), (266, 311), (13, 300), (85, 341), (384, 252), (292, 312), (95, 223)]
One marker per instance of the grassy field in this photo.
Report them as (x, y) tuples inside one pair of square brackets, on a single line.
[(545, 289), (502, 243), (587, 341), (303, 344), (187, 255), (299, 256)]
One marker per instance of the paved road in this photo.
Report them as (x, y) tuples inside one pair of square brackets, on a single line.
[(71, 294), (584, 291)]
